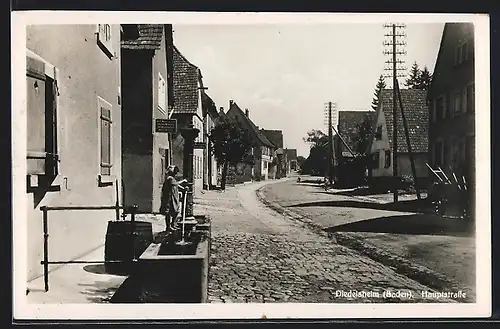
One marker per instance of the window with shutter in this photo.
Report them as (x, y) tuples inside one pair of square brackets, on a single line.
[(105, 138), (104, 39), (42, 151)]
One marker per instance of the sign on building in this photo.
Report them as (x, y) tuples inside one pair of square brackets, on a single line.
[(199, 145), (166, 126)]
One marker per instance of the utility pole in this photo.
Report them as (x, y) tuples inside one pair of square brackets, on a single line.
[(330, 121), (393, 43)]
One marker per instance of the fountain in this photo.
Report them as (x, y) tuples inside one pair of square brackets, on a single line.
[(176, 269)]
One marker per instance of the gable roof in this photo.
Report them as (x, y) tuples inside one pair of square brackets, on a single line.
[(349, 122), (208, 106), (417, 118), (150, 37), (236, 112), (274, 136), (186, 76), (291, 154)]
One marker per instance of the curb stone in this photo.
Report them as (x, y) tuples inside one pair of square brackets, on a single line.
[(419, 273)]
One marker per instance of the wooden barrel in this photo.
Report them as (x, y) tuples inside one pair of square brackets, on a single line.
[(121, 244)]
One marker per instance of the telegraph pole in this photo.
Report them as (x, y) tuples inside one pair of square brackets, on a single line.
[(329, 116), (394, 36)]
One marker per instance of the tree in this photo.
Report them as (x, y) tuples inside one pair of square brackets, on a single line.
[(378, 88), (316, 162), (231, 144), (424, 79), (316, 138), (300, 161), (414, 79), (365, 130)]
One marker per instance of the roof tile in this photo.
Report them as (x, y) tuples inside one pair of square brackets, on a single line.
[(417, 117), (150, 37)]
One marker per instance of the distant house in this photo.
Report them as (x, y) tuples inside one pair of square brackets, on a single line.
[(73, 146), (262, 150), (452, 103), (210, 115), (277, 169), (291, 160), (144, 100), (187, 110), (380, 145)]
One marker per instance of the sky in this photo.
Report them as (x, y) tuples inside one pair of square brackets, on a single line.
[(284, 74)]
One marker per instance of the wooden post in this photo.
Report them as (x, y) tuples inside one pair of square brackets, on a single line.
[(408, 143), (394, 120), (45, 249)]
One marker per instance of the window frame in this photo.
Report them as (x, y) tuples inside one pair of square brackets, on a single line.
[(387, 158), (162, 94), (104, 177), (457, 102), (105, 42), (378, 132), (439, 160), (473, 102), (49, 72)]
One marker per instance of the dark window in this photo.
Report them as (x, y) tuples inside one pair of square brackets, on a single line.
[(387, 159), (378, 133), (376, 160), (438, 153), (440, 108), (42, 157), (470, 98)]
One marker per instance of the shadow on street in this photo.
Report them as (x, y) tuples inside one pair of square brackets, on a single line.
[(409, 205), (417, 224)]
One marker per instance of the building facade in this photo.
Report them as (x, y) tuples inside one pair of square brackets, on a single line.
[(452, 103), (187, 110), (262, 151), (74, 140), (277, 168), (145, 100), (381, 141), (210, 168)]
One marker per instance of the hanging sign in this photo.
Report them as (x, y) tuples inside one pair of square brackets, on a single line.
[(166, 126)]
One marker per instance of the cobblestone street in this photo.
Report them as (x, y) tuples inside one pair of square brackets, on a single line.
[(260, 256)]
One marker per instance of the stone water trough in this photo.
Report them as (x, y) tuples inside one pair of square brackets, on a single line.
[(169, 272)]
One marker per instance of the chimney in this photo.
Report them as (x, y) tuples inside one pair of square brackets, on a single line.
[(247, 113), (221, 109), (230, 103)]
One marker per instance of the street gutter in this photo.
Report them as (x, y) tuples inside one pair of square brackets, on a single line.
[(419, 273)]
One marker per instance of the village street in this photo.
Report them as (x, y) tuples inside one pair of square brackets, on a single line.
[(260, 255)]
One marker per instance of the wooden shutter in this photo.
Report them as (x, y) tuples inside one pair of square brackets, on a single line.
[(105, 141), (36, 99)]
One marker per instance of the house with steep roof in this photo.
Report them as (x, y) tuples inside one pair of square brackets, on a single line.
[(188, 111), (451, 97), (144, 101), (279, 164), (380, 144), (263, 148), (73, 144)]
